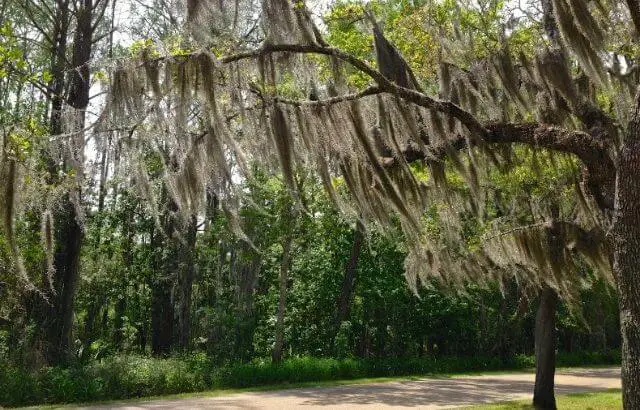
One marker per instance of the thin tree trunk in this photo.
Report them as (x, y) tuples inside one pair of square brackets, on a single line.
[(545, 328), (276, 355), (625, 238), (350, 272), (161, 305), (165, 268), (601, 334), (161, 316), (94, 304), (93, 310), (345, 298), (67, 259), (246, 271), (545, 350), (186, 286)]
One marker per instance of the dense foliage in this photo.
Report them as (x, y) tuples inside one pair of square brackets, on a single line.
[(234, 305)]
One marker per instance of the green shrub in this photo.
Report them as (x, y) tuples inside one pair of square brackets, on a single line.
[(17, 387)]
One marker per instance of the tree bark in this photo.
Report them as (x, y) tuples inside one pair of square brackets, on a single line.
[(161, 303), (59, 322), (545, 350), (93, 310), (625, 238), (47, 316)]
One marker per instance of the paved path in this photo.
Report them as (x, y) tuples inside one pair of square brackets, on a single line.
[(424, 393)]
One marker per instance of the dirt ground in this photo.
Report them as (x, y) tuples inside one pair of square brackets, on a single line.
[(432, 393)]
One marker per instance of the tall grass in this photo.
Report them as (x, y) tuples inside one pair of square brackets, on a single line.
[(120, 377)]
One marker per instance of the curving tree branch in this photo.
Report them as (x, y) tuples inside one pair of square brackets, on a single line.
[(579, 143), (582, 144), (383, 83)]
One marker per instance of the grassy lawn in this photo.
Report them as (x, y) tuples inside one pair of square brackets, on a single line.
[(607, 400)]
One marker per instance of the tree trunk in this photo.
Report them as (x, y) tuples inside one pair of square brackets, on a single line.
[(186, 285), (625, 238), (93, 310), (350, 272), (169, 261), (161, 316), (161, 282), (161, 305), (276, 355), (246, 270), (545, 349), (46, 313), (57, 322)]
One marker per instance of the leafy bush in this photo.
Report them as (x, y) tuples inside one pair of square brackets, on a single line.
[(126, 376), (591, 358), (18, 387), (294, 370)]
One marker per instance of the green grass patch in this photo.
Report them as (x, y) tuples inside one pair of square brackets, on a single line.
[(607, 400), (125, 377)]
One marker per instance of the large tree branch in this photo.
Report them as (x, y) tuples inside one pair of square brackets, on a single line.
[(579, 143), (591, 151), (583, 145), (599, 169)]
